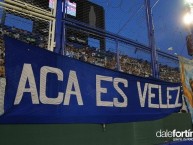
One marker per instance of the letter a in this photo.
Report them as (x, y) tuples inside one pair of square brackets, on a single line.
[(27, 74), (72, 80)]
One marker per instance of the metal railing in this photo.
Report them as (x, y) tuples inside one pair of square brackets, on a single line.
[(57, 25)]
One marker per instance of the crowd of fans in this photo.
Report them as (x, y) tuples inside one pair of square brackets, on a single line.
[(128, 64), (169, 73), (2, 57), (25, 36), (37, 39), (91, 55)]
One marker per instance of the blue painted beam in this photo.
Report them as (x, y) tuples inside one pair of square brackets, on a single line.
[(59, 27)]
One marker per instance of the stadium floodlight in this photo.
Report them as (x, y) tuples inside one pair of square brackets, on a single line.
[(188, 18), (189, 1)]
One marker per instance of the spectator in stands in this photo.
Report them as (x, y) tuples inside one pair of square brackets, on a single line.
[(2, 68), (92, 55)]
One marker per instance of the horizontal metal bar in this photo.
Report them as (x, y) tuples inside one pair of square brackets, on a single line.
[(102, 33), (17, 9), (29, 7), (24, 14)]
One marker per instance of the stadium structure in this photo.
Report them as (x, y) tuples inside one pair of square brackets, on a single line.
[(72, 28)]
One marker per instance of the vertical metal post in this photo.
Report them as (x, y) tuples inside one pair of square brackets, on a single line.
[(3, 16), (117, 57), (64, 9), (151, 37), (52, 29), (58, 32)]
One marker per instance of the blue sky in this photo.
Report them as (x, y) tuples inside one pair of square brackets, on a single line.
[(170, 30)]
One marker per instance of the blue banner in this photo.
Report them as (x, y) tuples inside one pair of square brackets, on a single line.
[(44, 87)]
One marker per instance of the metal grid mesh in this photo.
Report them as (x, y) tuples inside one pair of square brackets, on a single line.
[(134, 61), (169, 70), (44, 4), (122, 17), (170, 31), (85, 46), (125, 18), (170, 36), (24, 26)]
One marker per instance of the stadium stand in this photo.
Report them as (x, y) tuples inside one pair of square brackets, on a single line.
[(128, 64), (91, 55)]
